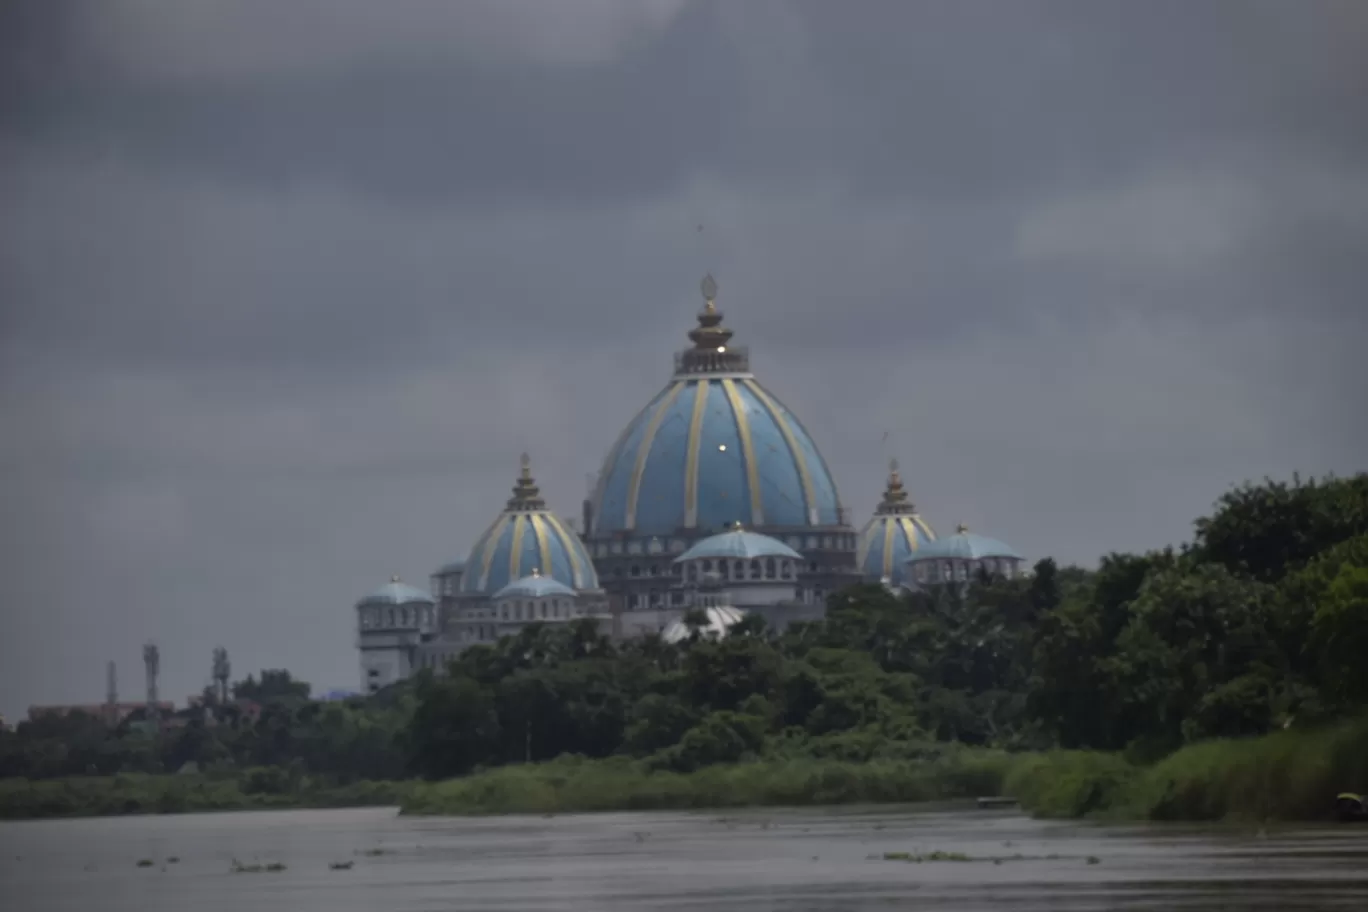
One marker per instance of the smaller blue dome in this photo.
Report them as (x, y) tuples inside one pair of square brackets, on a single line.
[(895, 534), (534, 586), (397, 593), (527, 537), (739, 543), (965, 545)]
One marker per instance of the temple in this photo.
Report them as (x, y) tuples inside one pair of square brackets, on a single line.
[(713, 499)]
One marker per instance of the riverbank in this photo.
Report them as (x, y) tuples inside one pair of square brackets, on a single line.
[(1289, 775), (108, 796), (573, 784)]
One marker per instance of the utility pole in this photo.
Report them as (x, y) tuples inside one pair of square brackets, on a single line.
[(152, 663), (222, 671)]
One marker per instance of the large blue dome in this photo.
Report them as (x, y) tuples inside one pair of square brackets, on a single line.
[(895, 534), (712, 449), (527, 538)]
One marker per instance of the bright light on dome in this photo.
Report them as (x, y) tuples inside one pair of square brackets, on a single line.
[(721, 349), (722, 447)]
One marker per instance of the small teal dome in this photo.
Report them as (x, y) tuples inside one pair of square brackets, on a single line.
[(739, 543), (713, 448), (396, 593), (895, 534), (534, 586), (527, 537), (966, 545)]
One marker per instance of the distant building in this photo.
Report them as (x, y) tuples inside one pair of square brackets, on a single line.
[(714, 497)]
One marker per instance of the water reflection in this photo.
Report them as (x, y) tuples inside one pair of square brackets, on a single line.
[(786, 861)]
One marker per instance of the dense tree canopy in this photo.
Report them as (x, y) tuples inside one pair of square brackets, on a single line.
[(1262, 622)]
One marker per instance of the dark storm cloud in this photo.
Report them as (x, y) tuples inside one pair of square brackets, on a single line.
[(285, 295), (961, 99)]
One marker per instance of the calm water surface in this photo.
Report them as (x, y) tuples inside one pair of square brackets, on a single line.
[(786, 861)]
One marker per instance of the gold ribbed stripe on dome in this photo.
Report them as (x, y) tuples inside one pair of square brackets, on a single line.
[(515, 553), (888, 548), (572, 547), (781, 419), (865, 543), (644, 450), (691, 458), (909, 531), (490, 546), (914, 523), (747, 450), (543, 544)]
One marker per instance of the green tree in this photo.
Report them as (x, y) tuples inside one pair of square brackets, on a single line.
[(275, 686), (1270, 529)]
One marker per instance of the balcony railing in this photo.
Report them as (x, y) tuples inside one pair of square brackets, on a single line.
[(732, 360)]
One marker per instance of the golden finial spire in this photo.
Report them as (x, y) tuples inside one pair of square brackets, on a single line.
[(536, 571), (394, 578), (526, 495), (737, 527), (895, 499), (711, 353), (710, 334)]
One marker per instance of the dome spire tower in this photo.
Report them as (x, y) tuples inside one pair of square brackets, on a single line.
[(711, 353), (895, 500), (526, 494)]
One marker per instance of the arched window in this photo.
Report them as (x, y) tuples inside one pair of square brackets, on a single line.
[(543, 609), (769, 568), (755, 570), (738, 570), (693, 571), (786, 569), (391, 617), (707, 566)]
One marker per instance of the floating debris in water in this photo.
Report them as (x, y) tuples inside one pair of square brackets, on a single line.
[(1093, 859), (255, 868), (173, 859), (374, 853), (145, 862), (341, 865), (919, 858), (916, 858)]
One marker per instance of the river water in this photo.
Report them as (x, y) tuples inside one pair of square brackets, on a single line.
[(756, 861)]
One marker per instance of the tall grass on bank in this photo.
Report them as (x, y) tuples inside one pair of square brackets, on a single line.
[(574, 784), (1286, 775), (103, 796), (1069, 783)]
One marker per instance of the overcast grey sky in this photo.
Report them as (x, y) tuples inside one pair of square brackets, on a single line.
[(287, 287)]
